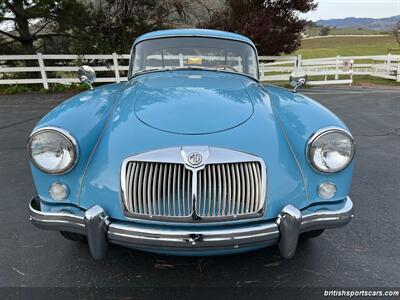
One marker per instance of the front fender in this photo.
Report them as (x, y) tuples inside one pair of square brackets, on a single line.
[(84, 116), (300, 117)]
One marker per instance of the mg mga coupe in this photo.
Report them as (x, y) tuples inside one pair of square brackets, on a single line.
[(191, 156)]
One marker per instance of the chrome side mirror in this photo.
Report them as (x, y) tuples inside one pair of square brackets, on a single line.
[(87, 75), (297, 79)]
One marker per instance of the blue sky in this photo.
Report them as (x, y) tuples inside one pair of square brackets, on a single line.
[(338, 9)]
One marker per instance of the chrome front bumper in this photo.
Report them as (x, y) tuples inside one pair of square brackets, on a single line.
[(100, 230)]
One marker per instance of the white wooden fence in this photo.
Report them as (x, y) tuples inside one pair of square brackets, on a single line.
[(64, 72), (330, 70), (61, 68)]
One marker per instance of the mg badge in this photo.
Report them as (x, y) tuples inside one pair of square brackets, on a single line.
[(195, 158)]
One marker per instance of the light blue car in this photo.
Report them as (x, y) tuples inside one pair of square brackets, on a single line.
[(191, 156)]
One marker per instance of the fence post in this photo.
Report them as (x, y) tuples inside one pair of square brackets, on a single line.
[(388, 63), (351, 70), (337, 67), (116, 67), (299, 61), (43, 71)]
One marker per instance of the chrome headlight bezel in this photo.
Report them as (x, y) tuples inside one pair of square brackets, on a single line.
[(323, 132), (68, 137)]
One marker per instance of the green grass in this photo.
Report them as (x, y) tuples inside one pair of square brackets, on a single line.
[(347, 46), (344, 31), (370, 81)]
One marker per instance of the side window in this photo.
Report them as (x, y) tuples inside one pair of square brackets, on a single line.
[(137, 61)]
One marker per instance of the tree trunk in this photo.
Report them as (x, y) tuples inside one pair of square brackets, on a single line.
[(26, 38)]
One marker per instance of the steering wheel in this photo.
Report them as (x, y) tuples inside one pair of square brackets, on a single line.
[(226, 67)]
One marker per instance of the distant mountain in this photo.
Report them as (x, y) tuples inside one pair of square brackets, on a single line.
[(365, 23)]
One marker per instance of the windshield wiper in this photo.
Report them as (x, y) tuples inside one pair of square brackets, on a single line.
[(223, 69), (188, 68)]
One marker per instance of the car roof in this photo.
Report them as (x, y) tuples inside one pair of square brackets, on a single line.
[(193, 32)]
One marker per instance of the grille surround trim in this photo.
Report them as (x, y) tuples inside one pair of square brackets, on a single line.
[(211, 156)]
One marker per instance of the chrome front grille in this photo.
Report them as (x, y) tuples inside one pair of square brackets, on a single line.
[(228, 189), (165, 185), (158, 189)]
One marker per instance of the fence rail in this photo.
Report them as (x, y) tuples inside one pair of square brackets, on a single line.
[(61, 68), (331, 70), (64, 72)]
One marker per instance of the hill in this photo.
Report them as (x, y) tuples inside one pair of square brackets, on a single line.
[(365, 23)]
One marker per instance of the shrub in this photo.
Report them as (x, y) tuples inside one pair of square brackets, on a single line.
[(324, 31), (17, 89)]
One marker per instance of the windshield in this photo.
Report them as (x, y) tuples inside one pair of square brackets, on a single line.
[(194, 52)]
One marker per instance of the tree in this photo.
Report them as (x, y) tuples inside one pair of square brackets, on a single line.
[(114, 24), (396, 31), (311, 24), (26, 23), (273, 25), (324, 31), (85, 26)]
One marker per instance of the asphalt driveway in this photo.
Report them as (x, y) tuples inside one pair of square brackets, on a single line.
[(363, 254)]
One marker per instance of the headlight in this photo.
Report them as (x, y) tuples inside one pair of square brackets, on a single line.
[(52, 150), (330, 150)]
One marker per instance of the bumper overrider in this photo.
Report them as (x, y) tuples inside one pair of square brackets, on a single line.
[(101, 230)]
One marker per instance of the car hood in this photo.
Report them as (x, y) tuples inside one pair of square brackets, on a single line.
[(185, 102), (125, 135)]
